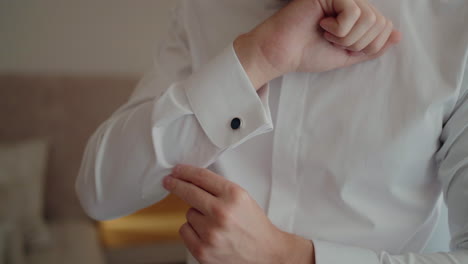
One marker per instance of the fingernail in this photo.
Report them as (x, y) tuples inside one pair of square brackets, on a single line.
[(324, 24), (168, 182)]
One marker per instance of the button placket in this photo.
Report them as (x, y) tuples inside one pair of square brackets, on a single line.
[(284, 188)]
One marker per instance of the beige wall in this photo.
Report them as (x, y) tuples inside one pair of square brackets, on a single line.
[(81, 37)]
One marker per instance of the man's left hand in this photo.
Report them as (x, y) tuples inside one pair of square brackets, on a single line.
[(225, 225)]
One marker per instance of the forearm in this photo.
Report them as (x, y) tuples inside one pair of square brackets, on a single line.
[(130, 153), (108, 157)]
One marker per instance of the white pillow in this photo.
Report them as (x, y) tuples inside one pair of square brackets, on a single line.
[(22, 170)]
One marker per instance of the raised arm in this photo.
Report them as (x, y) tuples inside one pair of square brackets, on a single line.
[(174, 116), (180, 116)]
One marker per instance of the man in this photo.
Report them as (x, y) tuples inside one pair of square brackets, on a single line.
[(359, 156)]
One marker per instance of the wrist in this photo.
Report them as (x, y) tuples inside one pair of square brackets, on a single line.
[(255, 65), (297, 250)]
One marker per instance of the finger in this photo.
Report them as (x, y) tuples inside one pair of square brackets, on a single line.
[(191, 194), (377, 44), (203, 178), (198, 222), (348, 14), (371, 34), (363, 25), (395, 37), (190, 238)]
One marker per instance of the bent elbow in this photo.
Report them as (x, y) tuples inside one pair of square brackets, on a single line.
[(96, 212), (91, 206), (94, 207)]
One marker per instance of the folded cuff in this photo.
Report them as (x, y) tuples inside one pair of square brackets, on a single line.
[(221, 92)]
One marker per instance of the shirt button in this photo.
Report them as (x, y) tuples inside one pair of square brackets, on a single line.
[(236, 123)]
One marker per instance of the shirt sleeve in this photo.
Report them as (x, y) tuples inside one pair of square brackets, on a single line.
[(174, 116), (452, 160)]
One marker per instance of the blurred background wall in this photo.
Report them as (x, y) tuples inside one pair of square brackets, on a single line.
[(58, 59), (81, 37)]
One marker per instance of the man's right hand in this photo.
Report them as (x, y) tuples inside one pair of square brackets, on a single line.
[(314, 36)]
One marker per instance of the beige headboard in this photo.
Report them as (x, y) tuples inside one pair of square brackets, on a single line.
[(65, 111)]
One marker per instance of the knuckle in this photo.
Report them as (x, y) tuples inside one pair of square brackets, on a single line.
[(372, 49), (371, 18), (199, 252), (212, 237), (355, 11), (189, 214), (174, 184), (381, 22), (390, 24), (183, 229), (220, 213), (238, 194), (199, 174), (341, 32), (224, 220), (355, 47), (223, 216), (346, 42)]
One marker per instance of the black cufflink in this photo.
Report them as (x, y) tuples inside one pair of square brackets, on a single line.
[(236, 123)]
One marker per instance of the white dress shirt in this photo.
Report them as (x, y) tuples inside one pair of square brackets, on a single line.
[(358, 157)]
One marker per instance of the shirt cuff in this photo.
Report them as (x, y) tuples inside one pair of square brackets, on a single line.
[(220, 92), (332, 253)]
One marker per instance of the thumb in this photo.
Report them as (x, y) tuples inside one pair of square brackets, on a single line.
[(394, 38)]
